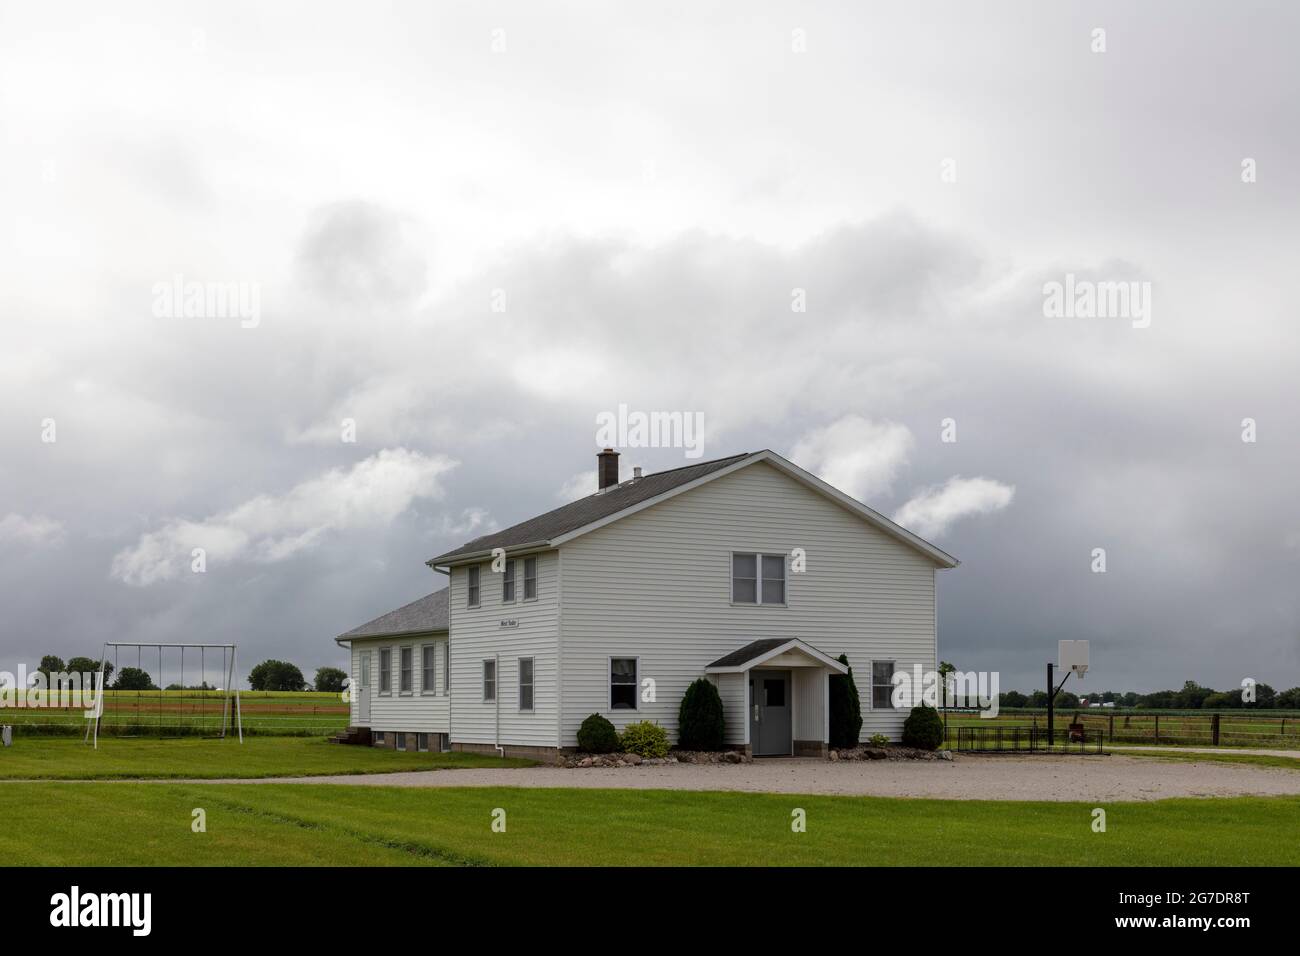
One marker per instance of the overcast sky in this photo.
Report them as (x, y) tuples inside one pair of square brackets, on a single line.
[(471, 228)]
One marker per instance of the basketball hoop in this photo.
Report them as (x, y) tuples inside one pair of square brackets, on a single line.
[(1073, 655)]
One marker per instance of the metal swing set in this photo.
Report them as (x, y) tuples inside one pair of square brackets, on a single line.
[(229, 693)]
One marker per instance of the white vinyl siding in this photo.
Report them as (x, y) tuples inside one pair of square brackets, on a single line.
[(478, 634), (393, 712), (656, 585)]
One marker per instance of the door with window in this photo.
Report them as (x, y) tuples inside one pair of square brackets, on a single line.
[(363, 689), (770, 722)]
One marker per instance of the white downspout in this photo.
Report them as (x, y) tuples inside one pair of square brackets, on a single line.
[(496, 666)]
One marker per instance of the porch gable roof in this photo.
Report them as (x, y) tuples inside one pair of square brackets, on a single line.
[(758, 652)]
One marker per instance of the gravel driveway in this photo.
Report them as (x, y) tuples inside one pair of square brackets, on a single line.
[(1090, 779)]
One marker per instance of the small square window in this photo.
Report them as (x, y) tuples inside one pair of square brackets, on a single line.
[(422, 743), (774, 692), (379, 738)]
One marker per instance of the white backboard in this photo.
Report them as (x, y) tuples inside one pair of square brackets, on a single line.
[(1072, 655)]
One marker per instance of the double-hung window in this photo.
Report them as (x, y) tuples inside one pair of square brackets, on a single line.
[(530, 579), (622, 683), (385, 670), (882, 685), (405, 655), (508, 582), (428, 669), (489, 681), (471, 586), (525, 683), (758, 579)]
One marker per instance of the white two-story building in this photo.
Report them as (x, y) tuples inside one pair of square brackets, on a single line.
[(746, 570)]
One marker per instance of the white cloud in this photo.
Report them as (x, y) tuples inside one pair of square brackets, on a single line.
[(934, 509), (578, 486), (271, 528), (35, 530), (856, 455)]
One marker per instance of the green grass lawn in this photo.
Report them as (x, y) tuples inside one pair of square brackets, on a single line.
[(63, 758), (142, 824)]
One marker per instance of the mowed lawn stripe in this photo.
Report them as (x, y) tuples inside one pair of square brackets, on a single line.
[(282, 823)]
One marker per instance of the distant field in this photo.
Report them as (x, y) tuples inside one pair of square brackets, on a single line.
[(1269, 729), (175, 713)]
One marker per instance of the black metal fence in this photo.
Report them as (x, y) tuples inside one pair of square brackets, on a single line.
[(1017, 739)]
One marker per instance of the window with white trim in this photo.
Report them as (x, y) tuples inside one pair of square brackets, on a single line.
[(530, 579), (471, 586), (525, 683), (622, 683), (385, 670), (882, 685), (428, 669), (489, 681), (422, 743), (508, 583), (405, 655), (757, 578)]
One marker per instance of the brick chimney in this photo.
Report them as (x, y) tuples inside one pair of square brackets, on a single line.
[(607, 468)]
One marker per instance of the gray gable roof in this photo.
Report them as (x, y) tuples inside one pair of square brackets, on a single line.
[(578, 514), (749, 652), (427, 614)]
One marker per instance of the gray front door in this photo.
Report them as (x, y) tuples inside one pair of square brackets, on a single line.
[(769, 713)]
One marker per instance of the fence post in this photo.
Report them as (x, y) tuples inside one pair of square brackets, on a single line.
[(1157, 728), (1112, 728), (1214, 728)]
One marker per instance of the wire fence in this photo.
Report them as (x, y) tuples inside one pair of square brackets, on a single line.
[(1015, 738), (1181, 728)]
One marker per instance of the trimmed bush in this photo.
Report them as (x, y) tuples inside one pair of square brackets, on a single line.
[(878, 740), (699, 719), (645, 739), (846, 709), (923, 728), (597, 735)]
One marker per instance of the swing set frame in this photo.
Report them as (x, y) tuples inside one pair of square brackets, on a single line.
[(229, 707)]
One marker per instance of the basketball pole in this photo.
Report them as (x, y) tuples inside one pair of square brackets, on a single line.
[(1051, 696)]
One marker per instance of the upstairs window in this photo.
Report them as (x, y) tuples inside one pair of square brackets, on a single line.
[(508, 582), (530, 578), (471, 589), (882, 685), (758, 578), (622, 683)]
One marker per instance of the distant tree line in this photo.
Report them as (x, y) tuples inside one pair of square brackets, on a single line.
[(1193, 696), (269, 675)]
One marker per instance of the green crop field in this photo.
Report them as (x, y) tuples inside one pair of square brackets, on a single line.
[(286, 824), (175, 713)]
